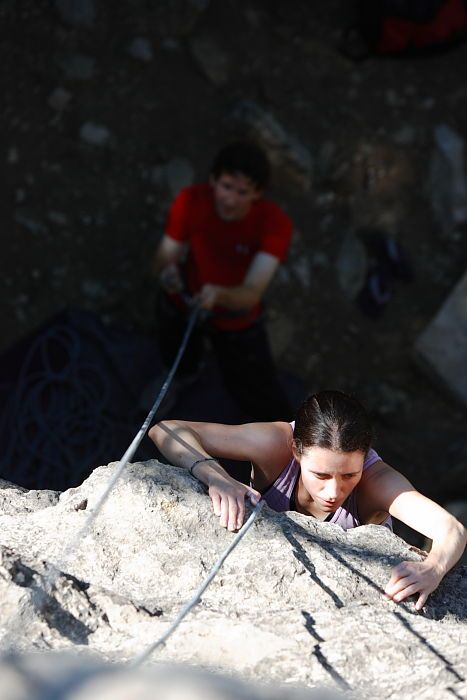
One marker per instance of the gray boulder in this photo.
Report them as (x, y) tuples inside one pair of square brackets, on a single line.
[(15, 500), (77, 13), (447, 179), (213, 61), (441, 349), (290, 158), (79, 677), (297, 602)]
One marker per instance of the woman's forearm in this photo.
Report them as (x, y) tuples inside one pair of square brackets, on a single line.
[(448, 547), (182, 446), (180, 443)]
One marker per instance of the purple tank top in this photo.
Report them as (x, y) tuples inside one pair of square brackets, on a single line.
[(279, 494)]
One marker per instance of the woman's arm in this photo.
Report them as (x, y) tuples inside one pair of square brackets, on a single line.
[(184, 442), (385, 489)]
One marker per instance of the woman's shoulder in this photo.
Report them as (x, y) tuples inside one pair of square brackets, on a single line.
[(275, 455), (379, 486), (371, 458), (276, 438)]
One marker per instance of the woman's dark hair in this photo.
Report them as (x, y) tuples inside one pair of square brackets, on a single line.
[(333, 420), (245, 158)]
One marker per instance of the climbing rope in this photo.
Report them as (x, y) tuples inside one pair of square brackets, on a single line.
[(57, 393), (197, 596), (82, 533)]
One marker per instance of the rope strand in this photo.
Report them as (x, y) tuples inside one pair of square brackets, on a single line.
[(81, 534), (197, 596)]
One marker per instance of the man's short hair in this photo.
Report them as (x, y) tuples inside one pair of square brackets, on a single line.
[(243, 157)]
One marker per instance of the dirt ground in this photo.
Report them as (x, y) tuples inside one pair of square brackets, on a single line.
[(80, 220)]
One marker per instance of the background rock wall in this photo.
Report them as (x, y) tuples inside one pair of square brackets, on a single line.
[(109, 110)]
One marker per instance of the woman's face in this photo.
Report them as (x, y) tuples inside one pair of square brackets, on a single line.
[(330, 476)]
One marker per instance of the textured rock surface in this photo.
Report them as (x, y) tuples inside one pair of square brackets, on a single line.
[(285, 152), (73, 677), (297, 601), (442, 347), (15, 500)]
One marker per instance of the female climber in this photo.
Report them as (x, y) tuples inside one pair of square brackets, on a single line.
[(323, 466)]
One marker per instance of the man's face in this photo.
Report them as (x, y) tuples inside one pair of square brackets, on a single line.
[(234, 195)]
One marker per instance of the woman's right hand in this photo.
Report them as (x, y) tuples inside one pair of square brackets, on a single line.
[(228, 500)]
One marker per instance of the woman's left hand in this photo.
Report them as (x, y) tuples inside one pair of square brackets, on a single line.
[(412, 577)]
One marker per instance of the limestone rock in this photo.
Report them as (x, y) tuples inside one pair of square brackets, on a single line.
[(79, 13), (79, 677), (95, 134), (280, 329), (298, 601), (212, 60), (59, 98), (141, 49), (179, 173), (448, 180), (442, 347), (351, 265), (286, 153), (78, 67), (14, 499)]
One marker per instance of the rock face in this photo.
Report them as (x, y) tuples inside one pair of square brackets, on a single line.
[(297, 602), (442, 346), (447, 179), (110, 108), (285, 152), (78, 677)]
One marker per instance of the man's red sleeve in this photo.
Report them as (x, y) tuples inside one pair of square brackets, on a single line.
[(176, 225), (278, 229)]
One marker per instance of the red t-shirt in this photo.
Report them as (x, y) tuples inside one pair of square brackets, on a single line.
[(220, 252)]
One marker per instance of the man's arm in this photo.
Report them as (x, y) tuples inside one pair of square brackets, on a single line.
[(249, 293), (385, 489), (165, 266), (169, 252)]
